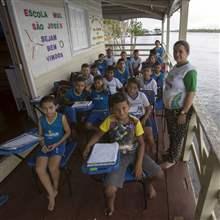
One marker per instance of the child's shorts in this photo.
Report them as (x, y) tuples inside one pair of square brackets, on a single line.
[(58, 151), (117, 177), (97, 117)]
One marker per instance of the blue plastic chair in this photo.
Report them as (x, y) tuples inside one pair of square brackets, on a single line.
[(70, 148), (152, 99), (130, 178), (129, 175)]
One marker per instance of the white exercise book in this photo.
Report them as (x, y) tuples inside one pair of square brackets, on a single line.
[(20, 141), (103, 154)]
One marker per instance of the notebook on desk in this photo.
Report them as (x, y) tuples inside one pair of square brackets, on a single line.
[(82, 104), (20, 142), (103, 154)]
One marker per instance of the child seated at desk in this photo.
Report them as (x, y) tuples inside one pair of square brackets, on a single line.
[(85, 73), (99, 97), (54, 128), (76, 94), (147, 81), (113, 84), (128, 132)]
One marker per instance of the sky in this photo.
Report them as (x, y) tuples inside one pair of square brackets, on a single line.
[(202, 14)]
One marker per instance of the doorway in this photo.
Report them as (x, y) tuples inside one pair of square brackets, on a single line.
[(13, 115)]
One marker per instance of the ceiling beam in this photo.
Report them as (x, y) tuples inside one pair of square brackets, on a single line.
[(156, 4), (174, 6), (141, 9)]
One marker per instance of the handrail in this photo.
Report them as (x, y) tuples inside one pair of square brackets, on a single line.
[(143, 48), (206, 156)]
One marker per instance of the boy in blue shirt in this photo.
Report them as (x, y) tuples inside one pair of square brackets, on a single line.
[(99, 97), (101, 64), (76, 94), (158, 76), (121, 72), (54, 129), (159, 51), (128, 132)]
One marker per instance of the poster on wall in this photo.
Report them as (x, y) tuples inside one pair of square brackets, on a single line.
[(96, 30), (44, 35)]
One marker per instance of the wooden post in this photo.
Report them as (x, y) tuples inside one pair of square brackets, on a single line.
[(162, 31), (183, 19), (208, 196), (189, 138), (168, 35)]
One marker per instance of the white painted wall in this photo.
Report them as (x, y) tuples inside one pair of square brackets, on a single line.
[(43, 82)]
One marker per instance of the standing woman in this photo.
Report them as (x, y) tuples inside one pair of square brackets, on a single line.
[(180, 89)]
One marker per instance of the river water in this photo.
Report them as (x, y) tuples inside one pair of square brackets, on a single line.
[(205, 56)]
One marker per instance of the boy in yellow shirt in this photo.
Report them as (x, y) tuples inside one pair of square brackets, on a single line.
[(128, 132)]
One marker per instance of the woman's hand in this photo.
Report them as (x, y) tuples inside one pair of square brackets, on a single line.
[(138, 170), (181, 119)]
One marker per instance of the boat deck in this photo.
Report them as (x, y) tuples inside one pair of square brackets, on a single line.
[(174, 197)]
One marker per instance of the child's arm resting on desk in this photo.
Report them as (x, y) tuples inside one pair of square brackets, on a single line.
[(67, 132), (103, 128), (95, 138)]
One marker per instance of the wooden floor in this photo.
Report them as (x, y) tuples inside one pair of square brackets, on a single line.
[(174, 198)]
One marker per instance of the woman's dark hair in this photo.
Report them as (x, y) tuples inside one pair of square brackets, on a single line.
[(183, 43), (157, 41), (117, 98), (47, 98)]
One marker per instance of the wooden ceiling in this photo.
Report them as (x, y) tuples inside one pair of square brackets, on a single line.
[(126, 9)]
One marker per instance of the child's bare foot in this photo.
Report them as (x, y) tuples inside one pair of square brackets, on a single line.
[(55, 193), (109, 211), (151, 192), (51, 198), (51, 204)]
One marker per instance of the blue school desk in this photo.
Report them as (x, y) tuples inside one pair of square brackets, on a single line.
[(94, 170)]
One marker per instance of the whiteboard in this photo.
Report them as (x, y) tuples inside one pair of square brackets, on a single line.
[(44, 35)]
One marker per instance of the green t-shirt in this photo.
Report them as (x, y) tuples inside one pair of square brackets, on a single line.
[(190, 81)]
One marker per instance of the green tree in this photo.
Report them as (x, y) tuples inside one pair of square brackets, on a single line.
[(135, 29)]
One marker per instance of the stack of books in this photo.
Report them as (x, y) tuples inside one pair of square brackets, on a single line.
[(103, 155)]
